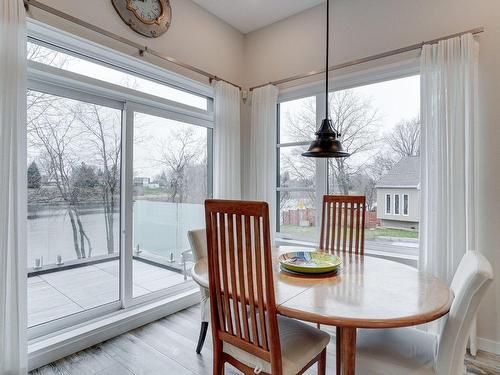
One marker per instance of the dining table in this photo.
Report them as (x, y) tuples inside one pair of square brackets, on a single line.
[(366, 292)]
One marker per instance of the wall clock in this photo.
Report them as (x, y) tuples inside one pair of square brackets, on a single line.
[(150, 18)]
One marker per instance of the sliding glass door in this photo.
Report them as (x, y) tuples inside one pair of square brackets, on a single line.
[(73, 177), (170, 184), (119, 165)]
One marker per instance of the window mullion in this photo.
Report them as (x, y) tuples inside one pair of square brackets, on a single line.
[(126, 282)]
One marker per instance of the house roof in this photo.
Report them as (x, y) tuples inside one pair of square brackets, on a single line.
[(406, 173)]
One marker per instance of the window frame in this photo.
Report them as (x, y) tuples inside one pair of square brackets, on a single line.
[(388, 210), (54, 81), (359, 76), (320, 186), (398, 196), (407, 206)]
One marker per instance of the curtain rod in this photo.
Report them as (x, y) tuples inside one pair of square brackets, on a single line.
[(142, 49), (378, 56)]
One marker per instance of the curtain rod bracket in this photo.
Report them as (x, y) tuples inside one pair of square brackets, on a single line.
[(143, 50)]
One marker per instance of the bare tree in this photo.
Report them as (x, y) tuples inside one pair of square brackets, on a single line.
[(354, 118), (357, 122), (51, 130), (103, 129), (405, 139), (177, 154)]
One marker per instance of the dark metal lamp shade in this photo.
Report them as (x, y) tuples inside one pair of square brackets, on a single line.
[(326, 144)]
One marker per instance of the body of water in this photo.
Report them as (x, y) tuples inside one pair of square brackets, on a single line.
[(159, 228)]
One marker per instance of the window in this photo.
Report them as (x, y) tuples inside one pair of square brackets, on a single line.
[(170, 186), (103, 72), (396, 204), (405, 204), (74, 172), (115, 181), (380, 127), (296, 191)]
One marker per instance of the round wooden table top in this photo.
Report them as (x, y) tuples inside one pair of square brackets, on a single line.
[(368, 292)]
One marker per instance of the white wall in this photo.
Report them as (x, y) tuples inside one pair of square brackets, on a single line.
[(365, 27), (195, 37)]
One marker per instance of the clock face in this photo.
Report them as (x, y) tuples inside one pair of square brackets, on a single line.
[(146, 10), (150, 18)]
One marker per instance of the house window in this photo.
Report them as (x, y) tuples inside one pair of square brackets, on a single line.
[(396, 204), (383, 140), (119, 165)]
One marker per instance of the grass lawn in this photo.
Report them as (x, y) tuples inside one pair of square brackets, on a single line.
[(370, 234)]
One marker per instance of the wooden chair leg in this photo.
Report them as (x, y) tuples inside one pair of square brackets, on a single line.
[(203, 335), (322, 363), (218, 361), (337, 347)]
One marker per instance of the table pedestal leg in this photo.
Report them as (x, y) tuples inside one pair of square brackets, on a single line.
[(348, 350)]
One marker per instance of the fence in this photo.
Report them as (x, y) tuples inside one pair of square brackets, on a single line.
[(307, 217)]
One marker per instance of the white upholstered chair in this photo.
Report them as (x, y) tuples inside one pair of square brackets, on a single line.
[(411, 351), (198, 242)]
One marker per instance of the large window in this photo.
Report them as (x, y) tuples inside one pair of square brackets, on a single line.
[(380, 127), (296, 192), (119, 165), (170, 186), (74, 164)]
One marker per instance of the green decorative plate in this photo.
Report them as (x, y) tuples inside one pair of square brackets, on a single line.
[(309, 262)]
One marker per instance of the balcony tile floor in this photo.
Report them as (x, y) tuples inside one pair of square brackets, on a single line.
[(58, 294)]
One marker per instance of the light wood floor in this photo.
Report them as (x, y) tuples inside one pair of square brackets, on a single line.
[(168, 346)]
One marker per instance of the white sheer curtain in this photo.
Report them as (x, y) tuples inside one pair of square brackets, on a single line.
[(262, 167), (13, 349), (227, 166), (449, 121), (449, 84)]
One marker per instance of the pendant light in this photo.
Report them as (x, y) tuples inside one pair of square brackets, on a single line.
[(326, 144)]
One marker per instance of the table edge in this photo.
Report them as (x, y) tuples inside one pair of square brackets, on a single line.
[(367, 323)]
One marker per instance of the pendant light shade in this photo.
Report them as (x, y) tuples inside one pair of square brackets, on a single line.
[(326, 144)]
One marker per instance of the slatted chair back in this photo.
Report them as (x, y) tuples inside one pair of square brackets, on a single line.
[(343, 224), (243, 303)]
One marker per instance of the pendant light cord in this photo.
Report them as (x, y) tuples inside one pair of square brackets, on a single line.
[(327, 107)]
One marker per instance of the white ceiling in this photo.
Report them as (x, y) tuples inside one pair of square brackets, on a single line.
[(250, 15)]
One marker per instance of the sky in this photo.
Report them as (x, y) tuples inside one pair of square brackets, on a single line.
[(115, 76), (394, 100)]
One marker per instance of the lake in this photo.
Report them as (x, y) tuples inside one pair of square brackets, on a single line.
[(159, 228)]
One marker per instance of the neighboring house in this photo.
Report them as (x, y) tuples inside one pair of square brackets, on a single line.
[(142, 181), (398, 195)]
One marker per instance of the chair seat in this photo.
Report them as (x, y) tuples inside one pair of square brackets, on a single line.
[(300, 344), (397, 351)]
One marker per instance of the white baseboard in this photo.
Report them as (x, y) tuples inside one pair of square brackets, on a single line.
[(487, 345), (58, 346)]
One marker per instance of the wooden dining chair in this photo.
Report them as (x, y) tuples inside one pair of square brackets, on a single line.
[(342, 230), (247, 332), (343, 224)]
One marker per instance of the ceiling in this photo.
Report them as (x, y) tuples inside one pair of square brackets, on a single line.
[(250, 15)]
